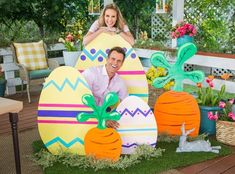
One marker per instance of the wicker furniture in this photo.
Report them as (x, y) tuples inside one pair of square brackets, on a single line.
[(225, 132), (30, 77)]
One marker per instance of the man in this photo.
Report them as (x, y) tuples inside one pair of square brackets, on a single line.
[(104, 79)]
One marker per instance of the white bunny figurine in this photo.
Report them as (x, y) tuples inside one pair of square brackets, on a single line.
[(194, 146)]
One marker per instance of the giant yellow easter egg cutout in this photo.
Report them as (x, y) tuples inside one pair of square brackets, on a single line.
[(59, 104), (95, 53)]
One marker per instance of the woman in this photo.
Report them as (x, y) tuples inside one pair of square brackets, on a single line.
[(111, 22)]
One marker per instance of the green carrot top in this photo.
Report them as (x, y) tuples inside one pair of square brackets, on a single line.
[(99, 112), (176, 71)]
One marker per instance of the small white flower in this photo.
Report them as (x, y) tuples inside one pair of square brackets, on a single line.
[(80, 32), (61, 40)]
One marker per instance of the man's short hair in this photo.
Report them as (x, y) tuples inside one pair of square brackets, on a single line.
[(119, 50)]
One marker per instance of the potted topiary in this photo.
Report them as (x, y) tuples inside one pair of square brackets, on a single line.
[(2, 83)]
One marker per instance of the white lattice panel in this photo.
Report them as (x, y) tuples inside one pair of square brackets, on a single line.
[(159, 23)]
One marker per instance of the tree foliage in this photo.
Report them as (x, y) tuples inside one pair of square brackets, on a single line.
[(215, 20), (137, 14), (49, 15)]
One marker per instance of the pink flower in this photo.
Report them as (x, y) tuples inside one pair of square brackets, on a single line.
[(213, 117), (211, 84), (231, 101), (216, 116), (231, 115), (69, 37), (194, 31), (182, 29), (222, 104), (208, 80)]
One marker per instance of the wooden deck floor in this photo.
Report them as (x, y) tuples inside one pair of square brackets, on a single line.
[(28, 117)]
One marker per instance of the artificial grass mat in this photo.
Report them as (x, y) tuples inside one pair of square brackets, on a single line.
[(169, 160)]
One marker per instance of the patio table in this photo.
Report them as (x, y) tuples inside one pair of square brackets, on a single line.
[(13, 107)]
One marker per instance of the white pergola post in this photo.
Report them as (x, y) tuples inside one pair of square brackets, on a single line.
[(106, 2), (178, 15)]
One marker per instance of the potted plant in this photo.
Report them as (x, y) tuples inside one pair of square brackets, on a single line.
[(3, 83), (183, 32), (225, 122), (71, 53), (208, 101)]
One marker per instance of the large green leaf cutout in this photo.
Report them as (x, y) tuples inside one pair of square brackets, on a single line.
[(99, 112), (176, 71)]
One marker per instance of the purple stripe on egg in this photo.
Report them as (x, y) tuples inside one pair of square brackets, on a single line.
[(54, 113)]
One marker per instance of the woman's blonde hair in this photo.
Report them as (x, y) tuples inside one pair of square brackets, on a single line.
[(120, 20)]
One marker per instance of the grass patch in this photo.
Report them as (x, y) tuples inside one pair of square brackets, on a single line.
[(169, 160)]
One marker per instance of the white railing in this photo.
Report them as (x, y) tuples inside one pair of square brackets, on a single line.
[(9, 66), (201, 60)]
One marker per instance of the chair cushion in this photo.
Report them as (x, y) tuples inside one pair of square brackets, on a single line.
[(37, 74), (32, 55)]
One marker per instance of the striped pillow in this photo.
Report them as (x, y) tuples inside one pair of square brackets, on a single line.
[(32, 55)]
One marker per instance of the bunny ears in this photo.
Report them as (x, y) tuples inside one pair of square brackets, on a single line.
[(176, 71)]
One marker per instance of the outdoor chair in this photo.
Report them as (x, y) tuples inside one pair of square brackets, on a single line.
[(34, 66)]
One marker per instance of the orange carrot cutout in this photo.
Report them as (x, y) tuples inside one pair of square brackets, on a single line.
[(175, 107), (101, 142)]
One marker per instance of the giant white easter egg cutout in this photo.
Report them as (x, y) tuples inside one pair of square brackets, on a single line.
[(137, 124), (59, 104), (95, 53)]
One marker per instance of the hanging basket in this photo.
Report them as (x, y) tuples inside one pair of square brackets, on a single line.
[(225, 132), (154, 93)]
